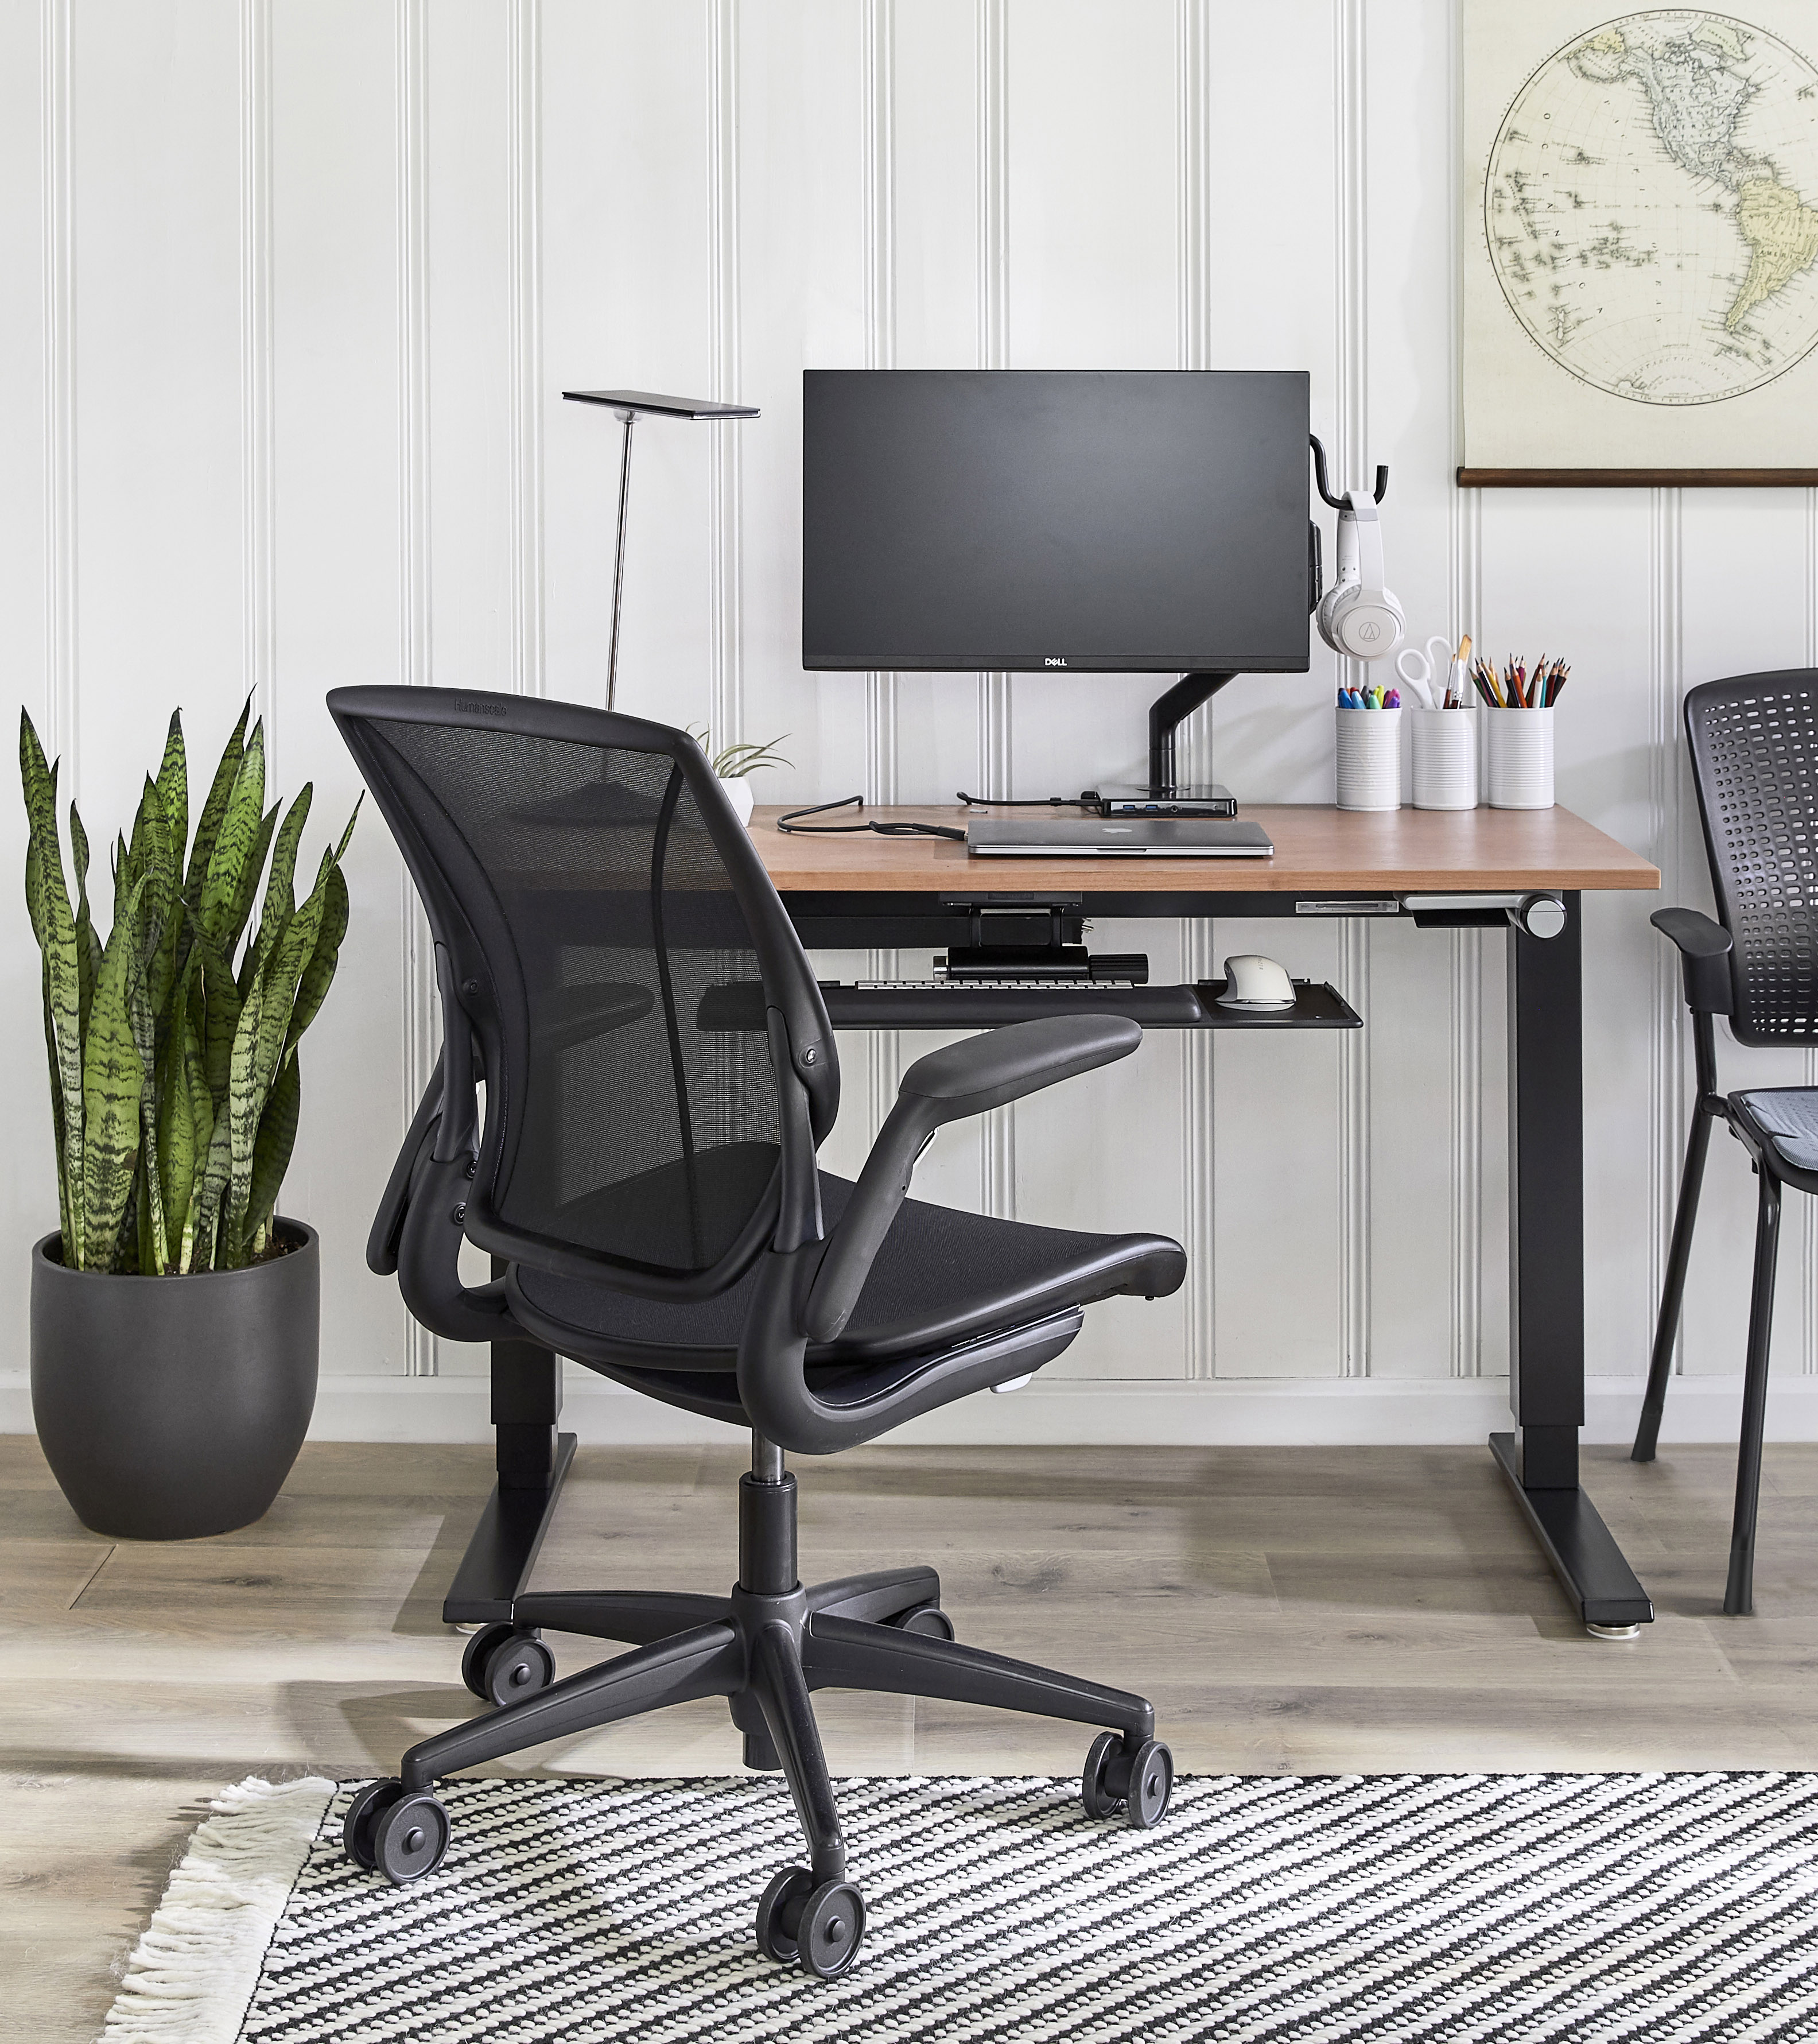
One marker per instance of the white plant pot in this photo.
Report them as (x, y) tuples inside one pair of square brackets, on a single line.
[(738, 794)]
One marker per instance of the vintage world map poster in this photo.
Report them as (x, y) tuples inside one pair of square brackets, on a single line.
[(1641, 240)]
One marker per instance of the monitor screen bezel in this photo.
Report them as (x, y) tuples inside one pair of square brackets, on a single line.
[(1059, 661)]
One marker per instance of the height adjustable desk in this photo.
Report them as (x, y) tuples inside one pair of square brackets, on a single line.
[(1522, 871)]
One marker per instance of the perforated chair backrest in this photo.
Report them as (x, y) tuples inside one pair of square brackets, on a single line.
[(1754, 756), (605, 929)]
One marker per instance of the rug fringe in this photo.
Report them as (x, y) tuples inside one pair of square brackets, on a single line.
[(193, 1974)]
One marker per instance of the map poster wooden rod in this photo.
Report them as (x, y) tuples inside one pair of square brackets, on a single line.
[(1637, 478)]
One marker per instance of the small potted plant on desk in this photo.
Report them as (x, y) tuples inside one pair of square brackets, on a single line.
[(175, 1313), (734, 765)]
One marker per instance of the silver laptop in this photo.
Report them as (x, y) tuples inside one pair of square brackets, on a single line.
[(1137, 837)]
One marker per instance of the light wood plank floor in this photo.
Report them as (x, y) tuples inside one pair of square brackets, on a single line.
[(1291, 1611)]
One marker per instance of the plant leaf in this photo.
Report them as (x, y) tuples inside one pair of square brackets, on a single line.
[(318, 971), (174, 783), (219, 999), (240, 828), (280, 893), (242, 905), (154, 1238), (34, 886), (214, 807), (88, 944), (279, 985), (63, 1012), (201, 1136), (271, 1153), (245, 1098), (113, 1080), (174, 1141), (199, 1244)]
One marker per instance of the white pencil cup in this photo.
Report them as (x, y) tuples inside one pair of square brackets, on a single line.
[(1445, 758), (1520, 758), (1369, 758)]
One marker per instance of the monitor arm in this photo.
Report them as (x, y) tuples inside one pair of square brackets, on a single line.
[(1166, 714)]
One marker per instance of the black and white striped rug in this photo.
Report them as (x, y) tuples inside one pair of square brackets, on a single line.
[(1442, 1907)]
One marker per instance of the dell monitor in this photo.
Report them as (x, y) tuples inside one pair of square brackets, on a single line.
[(1058, 521)]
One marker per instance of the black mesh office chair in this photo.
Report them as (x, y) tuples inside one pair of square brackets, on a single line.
[(1754, 757), (615, 967)]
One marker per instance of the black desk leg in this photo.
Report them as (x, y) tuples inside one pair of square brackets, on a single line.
[(1547, 1278), (532, 1459)]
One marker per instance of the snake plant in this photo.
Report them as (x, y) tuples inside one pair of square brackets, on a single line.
[(175, 1087)]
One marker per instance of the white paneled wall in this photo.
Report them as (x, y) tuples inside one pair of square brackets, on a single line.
[(292, 288)]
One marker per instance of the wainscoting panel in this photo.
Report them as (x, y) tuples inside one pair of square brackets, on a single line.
[(297, 288)]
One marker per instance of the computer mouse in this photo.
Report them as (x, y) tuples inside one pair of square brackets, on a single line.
[(1253, 982)]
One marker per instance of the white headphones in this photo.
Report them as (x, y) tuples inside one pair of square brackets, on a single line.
[(1358, 615)]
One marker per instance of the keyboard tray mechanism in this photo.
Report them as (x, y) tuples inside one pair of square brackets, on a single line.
[(958, 1005)]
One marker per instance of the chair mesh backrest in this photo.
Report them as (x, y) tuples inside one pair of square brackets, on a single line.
[(1754, 752), (631, 1126)]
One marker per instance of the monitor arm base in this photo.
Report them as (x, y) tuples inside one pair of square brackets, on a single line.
[(1166, 714)]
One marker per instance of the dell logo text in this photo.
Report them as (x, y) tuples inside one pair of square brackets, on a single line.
[(1054, 664)]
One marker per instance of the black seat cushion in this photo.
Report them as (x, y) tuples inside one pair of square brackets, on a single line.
[(1787, 1118), (942, 1276)]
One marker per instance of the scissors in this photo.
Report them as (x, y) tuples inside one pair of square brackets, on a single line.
[(1427, 676)]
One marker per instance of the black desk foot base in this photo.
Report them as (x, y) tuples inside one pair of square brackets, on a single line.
[(497, 1564), (1581, 1549)]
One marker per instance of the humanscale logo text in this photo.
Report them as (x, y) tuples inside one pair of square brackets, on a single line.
[(1051, 663), (475, 708)]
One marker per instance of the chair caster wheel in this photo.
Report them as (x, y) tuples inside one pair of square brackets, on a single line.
[(821, 1928), (928, 1619), (1138, 1782), (503, 1663), (410, 1837), (831, 1930), (363, 1814), (787, 1894)]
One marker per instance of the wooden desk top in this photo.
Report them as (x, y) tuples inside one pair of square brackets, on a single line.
[(1318, 850)]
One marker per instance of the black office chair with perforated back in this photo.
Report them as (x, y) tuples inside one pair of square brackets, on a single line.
[(614, 965), (1754, 758)]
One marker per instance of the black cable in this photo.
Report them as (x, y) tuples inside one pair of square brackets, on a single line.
[(1087, 798), (790, 828)]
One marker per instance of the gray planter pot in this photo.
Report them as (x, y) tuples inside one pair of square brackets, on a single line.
[(169, 1407)]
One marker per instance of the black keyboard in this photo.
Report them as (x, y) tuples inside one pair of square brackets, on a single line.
[(958, 1004)]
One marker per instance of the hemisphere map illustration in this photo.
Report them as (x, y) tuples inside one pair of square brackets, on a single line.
[(1651, 207)]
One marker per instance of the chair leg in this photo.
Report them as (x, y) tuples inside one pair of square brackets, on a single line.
[(843, 1653), (1673, 1292), (707, 1662), (782, 1693), (1739, 1596), (875, 1597), (638, 1617)]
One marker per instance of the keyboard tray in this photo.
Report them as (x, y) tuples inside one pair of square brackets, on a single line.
[(1316, 1006)]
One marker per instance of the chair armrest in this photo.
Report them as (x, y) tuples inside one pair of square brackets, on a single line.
[(950, 1085), (388, 1222), (1705, 948)]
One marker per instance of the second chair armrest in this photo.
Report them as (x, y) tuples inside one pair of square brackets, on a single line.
[(388, 1222), (963, 1079), (1705, 950)]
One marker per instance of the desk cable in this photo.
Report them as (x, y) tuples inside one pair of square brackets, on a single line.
[(1087, 798), (791, 828)]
